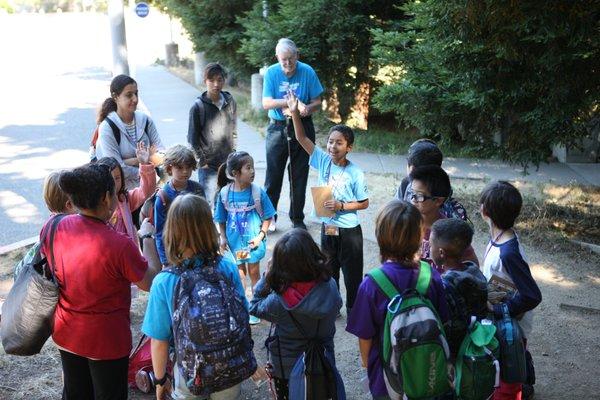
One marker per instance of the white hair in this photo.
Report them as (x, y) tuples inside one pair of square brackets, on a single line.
[(285, 45)]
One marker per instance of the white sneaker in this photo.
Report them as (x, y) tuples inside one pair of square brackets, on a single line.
[(272, 226)]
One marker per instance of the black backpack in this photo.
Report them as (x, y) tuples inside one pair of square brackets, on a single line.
[(314, 375), (116, 133)]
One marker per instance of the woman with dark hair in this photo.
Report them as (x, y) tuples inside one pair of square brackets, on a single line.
[(95, 266), (123, 131), (297, 289)]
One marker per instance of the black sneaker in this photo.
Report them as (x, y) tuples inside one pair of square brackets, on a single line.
[(300, 225)]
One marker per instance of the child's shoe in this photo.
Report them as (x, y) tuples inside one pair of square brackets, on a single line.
[(254, 320)]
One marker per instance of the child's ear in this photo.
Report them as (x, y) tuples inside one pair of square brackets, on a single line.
[(349, 148), (69, 207), (439, 201)]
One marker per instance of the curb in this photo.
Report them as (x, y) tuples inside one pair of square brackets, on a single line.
[(17, 245)]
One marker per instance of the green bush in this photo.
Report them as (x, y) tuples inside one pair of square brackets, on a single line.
[(524, 73)]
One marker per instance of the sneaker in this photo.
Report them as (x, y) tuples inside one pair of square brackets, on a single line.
[(272, 227), (300, 225), (254, 320)]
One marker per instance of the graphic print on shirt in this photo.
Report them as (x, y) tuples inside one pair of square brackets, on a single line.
[(285, 86), (237, 221)]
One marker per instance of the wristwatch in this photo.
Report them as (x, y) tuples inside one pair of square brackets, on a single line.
[(159, 382)]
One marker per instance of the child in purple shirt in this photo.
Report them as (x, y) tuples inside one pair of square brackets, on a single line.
[(398, 231)]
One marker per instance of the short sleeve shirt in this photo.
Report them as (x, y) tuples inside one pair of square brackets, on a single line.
[(304, 83), (242, 226), (368, 314), (95, 266), (348, 184), (159, 311)]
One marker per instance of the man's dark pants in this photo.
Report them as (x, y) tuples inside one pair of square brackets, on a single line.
[(277, 158)]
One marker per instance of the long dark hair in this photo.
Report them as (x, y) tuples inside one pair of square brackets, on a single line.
[(112, 163), (116, 88), (87, 185), (235, 162), (296, 258)]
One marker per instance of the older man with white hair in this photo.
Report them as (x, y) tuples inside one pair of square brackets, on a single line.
[(289, 74)]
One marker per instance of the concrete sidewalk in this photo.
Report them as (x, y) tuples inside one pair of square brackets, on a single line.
[(168, 99)]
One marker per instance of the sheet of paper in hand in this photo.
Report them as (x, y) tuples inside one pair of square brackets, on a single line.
[(320, 195)]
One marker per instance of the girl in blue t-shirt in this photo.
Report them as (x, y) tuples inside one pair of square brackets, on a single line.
[(341, 234), (243, 211)]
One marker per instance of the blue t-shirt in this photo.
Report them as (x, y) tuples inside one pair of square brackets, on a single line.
[(159, 311), (348, 185), (304, 83), (160, 212), (242, 226)]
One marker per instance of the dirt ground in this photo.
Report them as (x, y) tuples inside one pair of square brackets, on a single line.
[(565, 343)]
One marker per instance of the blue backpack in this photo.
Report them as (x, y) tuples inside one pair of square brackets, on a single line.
[(513, 365), (213, 344)]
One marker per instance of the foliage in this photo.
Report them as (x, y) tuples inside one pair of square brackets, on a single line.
[(213, 28), (333, 37), (465, 72)]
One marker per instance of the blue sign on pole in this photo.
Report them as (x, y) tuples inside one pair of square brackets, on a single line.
[(142, 9)]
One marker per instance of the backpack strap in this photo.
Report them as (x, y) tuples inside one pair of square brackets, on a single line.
[(115, 130), (383, 282), (255, 197), (163, 197), (424, 278), (202, 111), (257, 202)]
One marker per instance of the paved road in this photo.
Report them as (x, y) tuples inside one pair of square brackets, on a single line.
[(54, 74)]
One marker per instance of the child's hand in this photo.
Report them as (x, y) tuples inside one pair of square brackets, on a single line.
[(292, 101), (146, 228), (304, 109), (331, 205), (163, 392), (255, 241), (223, 244), (142, 153)]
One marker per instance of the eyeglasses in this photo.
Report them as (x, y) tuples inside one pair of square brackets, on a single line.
[(420, 197)]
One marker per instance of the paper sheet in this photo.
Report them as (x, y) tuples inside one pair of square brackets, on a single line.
[(320, 195)]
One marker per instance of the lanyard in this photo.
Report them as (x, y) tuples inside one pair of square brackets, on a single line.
[(240, 222), (490, 245), (327, 175)]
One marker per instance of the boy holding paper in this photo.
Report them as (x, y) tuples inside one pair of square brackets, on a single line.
[(341, 234)]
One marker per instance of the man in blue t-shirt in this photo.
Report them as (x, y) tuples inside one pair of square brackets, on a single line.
[(289, 73)]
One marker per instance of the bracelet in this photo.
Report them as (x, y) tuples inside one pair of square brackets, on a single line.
[(264, 233), (147, 236), (341, 206)]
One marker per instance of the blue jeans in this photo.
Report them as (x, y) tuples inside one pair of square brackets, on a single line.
[(277, 159), (204, 175)]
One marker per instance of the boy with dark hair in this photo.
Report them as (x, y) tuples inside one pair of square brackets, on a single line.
[(500, 205), (421, 153), (212, 126), (465, 285), (179, 163), (430, 187)]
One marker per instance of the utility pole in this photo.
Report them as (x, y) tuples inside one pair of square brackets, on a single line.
[(119, 41)]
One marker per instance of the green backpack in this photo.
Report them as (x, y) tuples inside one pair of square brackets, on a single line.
[(414, 352), (477, 366)]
